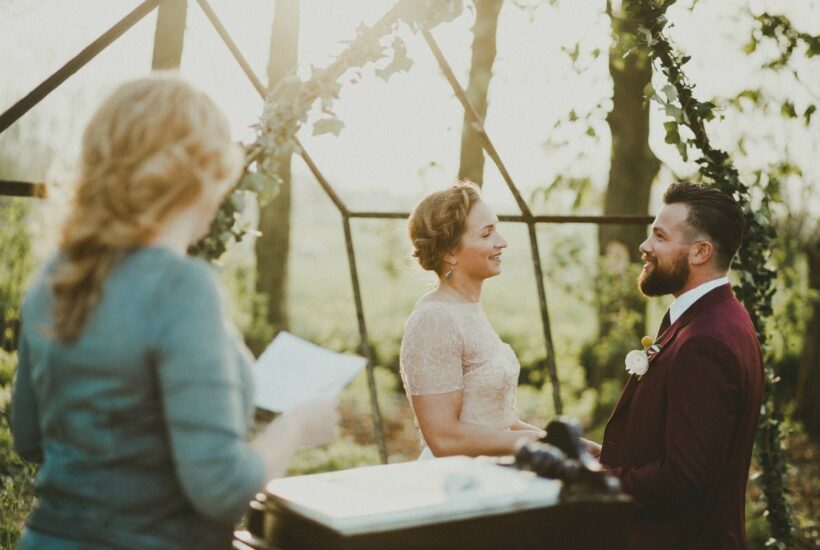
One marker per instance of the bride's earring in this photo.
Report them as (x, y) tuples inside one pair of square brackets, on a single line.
[(450, 271)]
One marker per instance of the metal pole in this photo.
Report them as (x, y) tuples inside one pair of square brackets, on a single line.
[(75, 63), (378, 425), (226, 38), (477, 121), (365, 343), (22, 189), (525, 210), (552, 368)]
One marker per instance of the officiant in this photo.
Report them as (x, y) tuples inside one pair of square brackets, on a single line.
[(133, 390)]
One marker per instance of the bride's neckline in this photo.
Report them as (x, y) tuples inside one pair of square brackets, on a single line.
[(435, 297), (434, 301)]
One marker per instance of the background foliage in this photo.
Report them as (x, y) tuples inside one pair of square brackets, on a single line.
[(391, 283)]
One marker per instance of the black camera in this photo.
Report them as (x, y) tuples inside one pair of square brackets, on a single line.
[(562, 455)]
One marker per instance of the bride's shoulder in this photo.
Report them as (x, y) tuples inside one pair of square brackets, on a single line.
[(429, 309)]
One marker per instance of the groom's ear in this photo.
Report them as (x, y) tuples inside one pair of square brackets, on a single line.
[(701, 253)]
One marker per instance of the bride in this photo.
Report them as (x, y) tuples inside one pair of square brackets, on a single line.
[(460, 378)]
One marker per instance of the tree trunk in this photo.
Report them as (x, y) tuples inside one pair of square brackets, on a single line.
[(273, 245), (632, 170), (471, 165), (808, 378), (168, 38)]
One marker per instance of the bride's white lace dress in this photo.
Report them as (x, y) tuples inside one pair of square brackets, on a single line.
[(452, 346)]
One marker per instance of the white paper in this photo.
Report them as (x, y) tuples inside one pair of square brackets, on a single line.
[(292, 371), (411, 494)]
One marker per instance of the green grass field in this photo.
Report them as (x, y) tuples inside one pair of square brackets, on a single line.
[(322, 310)]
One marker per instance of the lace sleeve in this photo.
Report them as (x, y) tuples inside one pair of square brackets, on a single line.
[(431, 353)]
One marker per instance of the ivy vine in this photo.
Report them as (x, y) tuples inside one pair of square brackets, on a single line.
[(755, 289), (288, 105)]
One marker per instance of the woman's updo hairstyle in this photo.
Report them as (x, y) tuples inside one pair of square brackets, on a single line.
[(438, 222)]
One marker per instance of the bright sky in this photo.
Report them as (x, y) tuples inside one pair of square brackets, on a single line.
[(401, 137)]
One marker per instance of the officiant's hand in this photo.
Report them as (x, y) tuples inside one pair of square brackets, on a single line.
[(316, 421), (592, 448), (310, 424)]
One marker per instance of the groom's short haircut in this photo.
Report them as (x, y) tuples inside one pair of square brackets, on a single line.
[(712, 214)]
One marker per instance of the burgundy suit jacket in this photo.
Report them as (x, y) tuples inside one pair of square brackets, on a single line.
[(680, 438)]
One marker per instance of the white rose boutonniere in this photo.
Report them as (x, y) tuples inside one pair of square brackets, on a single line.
[(637, 361)]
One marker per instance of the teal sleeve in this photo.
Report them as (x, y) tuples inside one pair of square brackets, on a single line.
[(201, 391), (25, 419)]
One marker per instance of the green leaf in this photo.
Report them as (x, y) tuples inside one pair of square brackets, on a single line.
[(682, 150), (706, 110), (671, 92), (672, 135), (647, 36), (648, 91), (675, 112), (238, 200), (400, 61), (573, 53), (254, 182), (328, 126), (807, 114), (787, 110), (288, 88)]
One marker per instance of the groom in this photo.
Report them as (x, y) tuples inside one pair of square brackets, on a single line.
[(680, 438)]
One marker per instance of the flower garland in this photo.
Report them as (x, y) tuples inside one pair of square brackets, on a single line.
[(287, 106), (755, 289)]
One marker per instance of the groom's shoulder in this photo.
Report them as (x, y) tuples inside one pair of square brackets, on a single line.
[(725, 321)]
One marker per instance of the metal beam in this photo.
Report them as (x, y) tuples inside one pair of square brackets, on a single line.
[(597, 220), (364, 346), (22, 189), (75, 64)]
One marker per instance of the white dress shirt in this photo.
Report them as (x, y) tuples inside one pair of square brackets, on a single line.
[(685, 300)]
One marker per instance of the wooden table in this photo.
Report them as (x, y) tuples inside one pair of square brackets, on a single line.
[(451, 503)]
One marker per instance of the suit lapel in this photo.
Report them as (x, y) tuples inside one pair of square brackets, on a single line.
[(626, 395), (714, 296)]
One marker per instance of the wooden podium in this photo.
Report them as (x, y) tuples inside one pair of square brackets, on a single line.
[(453, 503)]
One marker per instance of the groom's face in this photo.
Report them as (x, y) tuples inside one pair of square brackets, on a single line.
[(666, 253)]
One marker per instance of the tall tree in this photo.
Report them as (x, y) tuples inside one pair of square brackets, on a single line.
[(798, 227), (169, 35), (471, 165), (632, 170), (808, 383), (273, 245)]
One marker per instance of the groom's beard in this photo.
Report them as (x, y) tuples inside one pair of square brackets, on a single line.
[(662, 279)]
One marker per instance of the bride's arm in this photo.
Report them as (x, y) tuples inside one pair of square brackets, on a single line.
[(521, 425), (446, 435)]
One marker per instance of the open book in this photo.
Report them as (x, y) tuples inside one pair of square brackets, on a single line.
[(292, 370)]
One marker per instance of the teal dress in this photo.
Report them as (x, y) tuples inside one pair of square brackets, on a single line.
[(140, 425)]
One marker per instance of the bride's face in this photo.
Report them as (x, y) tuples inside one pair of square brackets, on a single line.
[(478, 255)]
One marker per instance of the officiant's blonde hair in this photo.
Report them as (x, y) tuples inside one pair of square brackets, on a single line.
[(147, 153), (439, 221)]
